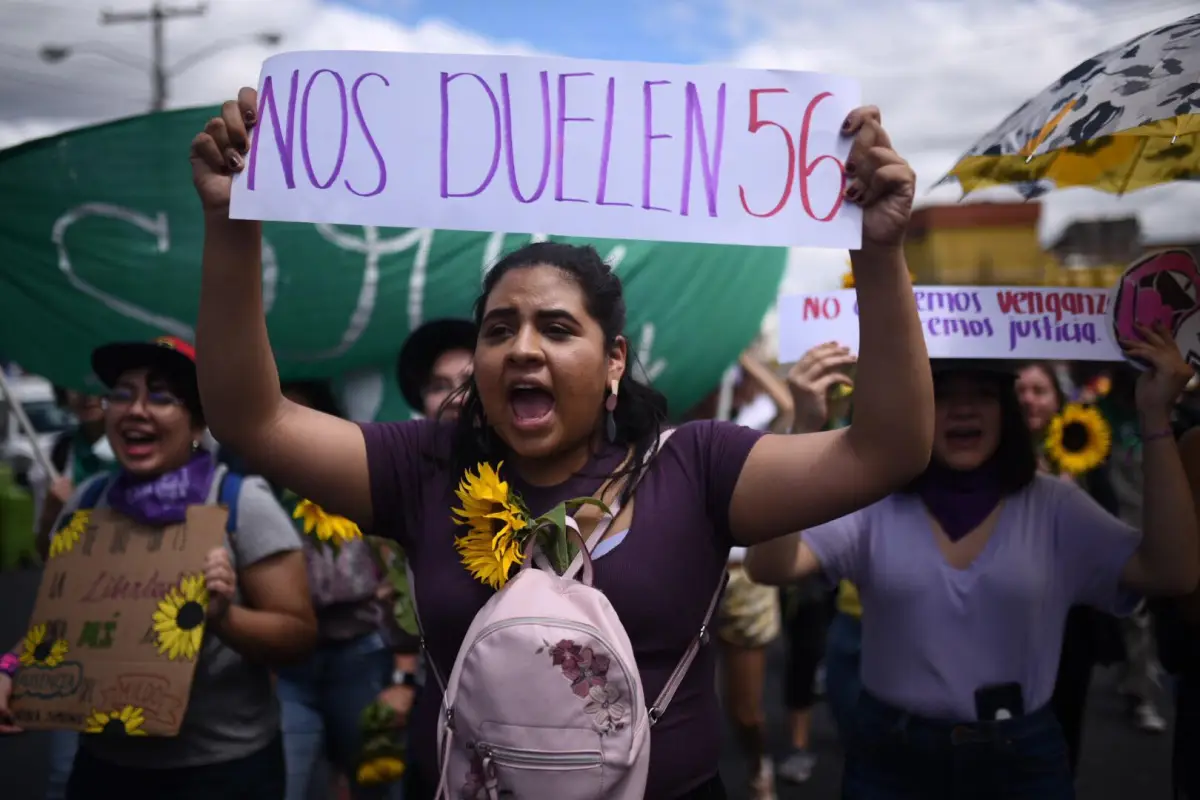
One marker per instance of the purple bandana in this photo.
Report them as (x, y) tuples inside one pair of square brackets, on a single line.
[(164, 500), (958, 500)]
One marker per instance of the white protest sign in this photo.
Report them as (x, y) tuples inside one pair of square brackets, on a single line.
[(570, 147), (993, 322)]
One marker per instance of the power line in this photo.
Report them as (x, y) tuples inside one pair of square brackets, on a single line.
[(157, 15)]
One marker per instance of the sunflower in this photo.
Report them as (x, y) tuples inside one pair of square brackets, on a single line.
[(40, 652), (179, 620), (1078, 439), (495, 517), (384, 769), (67, 536), (328, 528), (125, 722), (488, 559)]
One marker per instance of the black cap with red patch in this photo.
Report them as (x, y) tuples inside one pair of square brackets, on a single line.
[(168, 354)]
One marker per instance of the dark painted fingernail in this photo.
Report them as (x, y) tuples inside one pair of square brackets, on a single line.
[(235, 161), (846, 124), (850, 168), (249, 116), (852, 193)]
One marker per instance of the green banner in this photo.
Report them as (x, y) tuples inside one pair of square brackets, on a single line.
[(100, 240)]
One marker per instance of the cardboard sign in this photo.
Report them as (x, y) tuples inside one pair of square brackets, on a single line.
[(118, 625), (1159, 288), (992, 322), (551, 145)]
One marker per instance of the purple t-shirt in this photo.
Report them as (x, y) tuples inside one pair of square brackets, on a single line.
[(933, 634), (659, 579)]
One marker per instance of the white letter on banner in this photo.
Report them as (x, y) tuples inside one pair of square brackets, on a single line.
[(159, 227), (373, 247), (648, 368)]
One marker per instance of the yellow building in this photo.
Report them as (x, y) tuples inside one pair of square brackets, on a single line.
[(978, 244)]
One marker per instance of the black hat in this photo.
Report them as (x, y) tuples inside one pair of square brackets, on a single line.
[(423, 347), (993, 366), (167, 353)]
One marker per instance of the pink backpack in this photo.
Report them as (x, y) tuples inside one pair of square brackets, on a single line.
[(545, 699)]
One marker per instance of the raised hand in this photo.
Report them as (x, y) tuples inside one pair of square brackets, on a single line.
[(879, 180), (218, 151), (810, 379), (221, 582), (1159, 386)]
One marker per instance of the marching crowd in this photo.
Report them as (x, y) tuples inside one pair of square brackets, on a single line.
[(976, 579)]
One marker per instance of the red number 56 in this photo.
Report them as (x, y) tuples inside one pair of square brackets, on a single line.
[(758, 122)]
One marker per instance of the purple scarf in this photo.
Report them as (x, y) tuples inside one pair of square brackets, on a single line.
[(960, 501), (164, 500)]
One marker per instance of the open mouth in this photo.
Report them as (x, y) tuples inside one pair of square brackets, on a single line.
[(531, 405), (964, 436), (138, 443)]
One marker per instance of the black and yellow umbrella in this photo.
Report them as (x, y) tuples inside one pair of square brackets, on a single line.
[(1123, 120)]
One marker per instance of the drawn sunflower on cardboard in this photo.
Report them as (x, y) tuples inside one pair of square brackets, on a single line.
[(38, 651), (179, 619), (1078, 440), (66, 537), (125, 721)]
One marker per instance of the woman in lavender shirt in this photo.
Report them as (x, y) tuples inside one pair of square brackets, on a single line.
[(966, 578), (551, 353)]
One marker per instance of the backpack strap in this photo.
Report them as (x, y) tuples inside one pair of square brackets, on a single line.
[(93, 490), (701, 638), (228, 495), (412, 591), (681, 669), (616, 490)]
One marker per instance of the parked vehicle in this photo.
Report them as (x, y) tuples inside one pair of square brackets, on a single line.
[(36, 396)]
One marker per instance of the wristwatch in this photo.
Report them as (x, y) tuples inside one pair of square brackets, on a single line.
[(402, 677)]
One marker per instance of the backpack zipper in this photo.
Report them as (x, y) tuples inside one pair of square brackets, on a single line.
[(511, 756), (635, 702)]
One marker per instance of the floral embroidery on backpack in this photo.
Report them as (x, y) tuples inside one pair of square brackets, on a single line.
[(587, 671)]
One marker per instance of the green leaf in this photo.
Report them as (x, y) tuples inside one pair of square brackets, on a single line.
[(556, 516), (376, 718), (405, 614), (552, 527), (391, 556), (580, 502)]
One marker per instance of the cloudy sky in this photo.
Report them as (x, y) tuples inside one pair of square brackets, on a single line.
[(943, 71)]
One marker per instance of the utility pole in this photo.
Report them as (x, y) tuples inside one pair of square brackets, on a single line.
[(157, 15)]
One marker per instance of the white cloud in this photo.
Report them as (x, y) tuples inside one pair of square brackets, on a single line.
[(944, 73), (39, 98)]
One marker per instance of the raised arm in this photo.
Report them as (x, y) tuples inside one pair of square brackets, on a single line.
[(1167, 562), (786, 559), (316, 455), (794, 482)]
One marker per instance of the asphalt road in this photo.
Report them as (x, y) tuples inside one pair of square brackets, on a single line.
[(1118, 763)]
